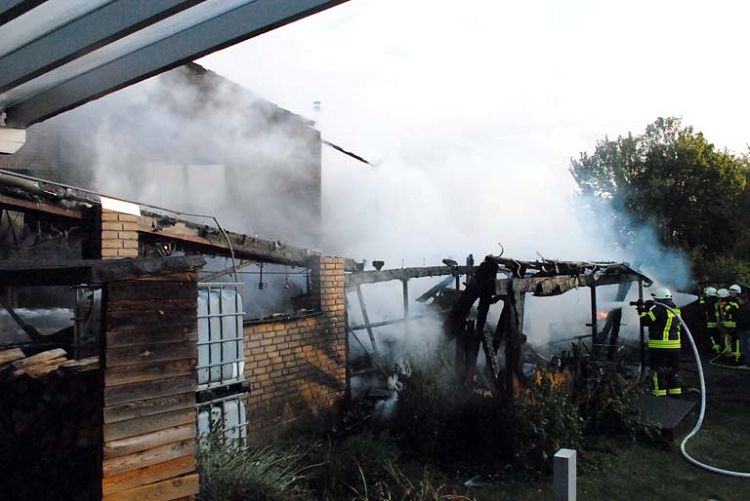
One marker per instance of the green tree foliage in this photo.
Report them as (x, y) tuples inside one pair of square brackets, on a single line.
[(671, 178)]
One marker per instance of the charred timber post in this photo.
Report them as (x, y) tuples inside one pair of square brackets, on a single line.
[(405, 287), (594, 313), (614, 321), (642, 332), (366, 318)]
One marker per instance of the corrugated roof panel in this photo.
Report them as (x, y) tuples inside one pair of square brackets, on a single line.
[(41, 20), (63, 53)]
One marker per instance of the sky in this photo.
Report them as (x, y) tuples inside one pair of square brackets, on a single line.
[(472, 110)]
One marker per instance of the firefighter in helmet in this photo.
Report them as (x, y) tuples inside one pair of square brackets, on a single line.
[(728, 307), (709, 302), (663, 342), (731, 341)]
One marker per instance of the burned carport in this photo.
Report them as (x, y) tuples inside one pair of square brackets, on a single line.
[(508, 281)]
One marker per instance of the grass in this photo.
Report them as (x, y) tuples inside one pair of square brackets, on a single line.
[(651, 473), (231, 472)]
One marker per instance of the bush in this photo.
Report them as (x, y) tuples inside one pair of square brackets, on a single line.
[(428, 406), (614, 411), (341, 464), (544, 419), (231, 472)]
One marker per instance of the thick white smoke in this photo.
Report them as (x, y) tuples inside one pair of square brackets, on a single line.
[(193, 142)]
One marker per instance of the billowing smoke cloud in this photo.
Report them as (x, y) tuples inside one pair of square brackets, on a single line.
[(190, 141)]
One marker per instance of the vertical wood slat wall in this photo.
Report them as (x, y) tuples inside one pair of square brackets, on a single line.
[(149, 389)]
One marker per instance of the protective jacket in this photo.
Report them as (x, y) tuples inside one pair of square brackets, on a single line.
[(710, 307), (663, 325), (728, 312)]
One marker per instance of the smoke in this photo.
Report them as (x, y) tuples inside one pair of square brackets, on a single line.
[(466, 157), (191, 141)]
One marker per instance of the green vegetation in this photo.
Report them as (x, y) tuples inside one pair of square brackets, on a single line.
[(230, 472), (670, 178), (546, 419), (469, 438)]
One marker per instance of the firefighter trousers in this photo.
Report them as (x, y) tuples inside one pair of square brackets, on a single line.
[(732, 349), (714, 339), (665, 366)]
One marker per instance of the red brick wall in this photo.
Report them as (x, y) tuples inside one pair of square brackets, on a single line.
[(298, 368)]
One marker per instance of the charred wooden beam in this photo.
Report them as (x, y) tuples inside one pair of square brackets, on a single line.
[(210, 239), (553, 286), (45, 208), (372, 277), (93, 271), (383, 323)]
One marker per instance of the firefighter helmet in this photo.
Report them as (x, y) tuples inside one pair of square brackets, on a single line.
[(662, 293), (735, 289), (722, 293), (709, 292)]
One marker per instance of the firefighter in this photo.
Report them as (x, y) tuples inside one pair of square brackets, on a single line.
[(709, 302), (728, 306), (663, 342)]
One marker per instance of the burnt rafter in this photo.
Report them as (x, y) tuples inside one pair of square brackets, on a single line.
[(541, 278)]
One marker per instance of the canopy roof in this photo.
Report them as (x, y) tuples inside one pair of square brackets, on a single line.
[(58, 54)]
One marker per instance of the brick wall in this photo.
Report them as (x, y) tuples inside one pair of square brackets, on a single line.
[(119, 235), (298, 368)]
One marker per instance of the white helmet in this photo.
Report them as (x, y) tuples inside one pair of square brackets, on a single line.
[(709, 292), (722, 293), (662, 293), (735, 289)]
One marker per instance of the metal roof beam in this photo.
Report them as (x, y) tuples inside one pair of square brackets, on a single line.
[(83, 35), (226, 29), (11, 9)]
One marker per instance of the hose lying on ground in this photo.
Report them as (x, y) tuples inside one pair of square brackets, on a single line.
[(702, 411), (723, 366)]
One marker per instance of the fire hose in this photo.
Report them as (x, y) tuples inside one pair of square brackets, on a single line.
[(702, 412)]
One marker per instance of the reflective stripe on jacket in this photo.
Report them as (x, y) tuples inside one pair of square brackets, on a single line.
[(711, 312), (663, 327), (728, 310)]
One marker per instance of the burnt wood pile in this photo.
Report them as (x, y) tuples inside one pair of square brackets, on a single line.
[(50, 426)]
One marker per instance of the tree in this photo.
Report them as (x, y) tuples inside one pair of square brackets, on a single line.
[(671, 178)]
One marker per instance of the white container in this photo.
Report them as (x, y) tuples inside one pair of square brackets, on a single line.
[(221, 358)]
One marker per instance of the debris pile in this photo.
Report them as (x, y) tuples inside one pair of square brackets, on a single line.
[(50, 426)]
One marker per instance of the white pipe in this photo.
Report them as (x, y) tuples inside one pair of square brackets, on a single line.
[(702, 412)]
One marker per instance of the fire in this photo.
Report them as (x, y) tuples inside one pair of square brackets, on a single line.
[(601, 315)]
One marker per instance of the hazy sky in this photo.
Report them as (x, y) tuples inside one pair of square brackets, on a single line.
[(473, 109)]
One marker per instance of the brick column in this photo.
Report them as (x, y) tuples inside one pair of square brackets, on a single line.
[(328, 294), (119, 235)]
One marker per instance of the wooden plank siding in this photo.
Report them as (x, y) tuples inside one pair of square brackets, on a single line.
[(149, 361)]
